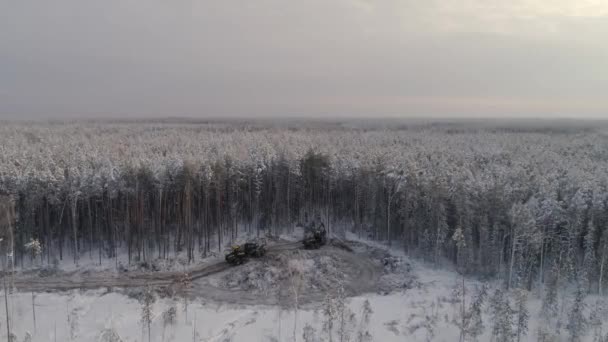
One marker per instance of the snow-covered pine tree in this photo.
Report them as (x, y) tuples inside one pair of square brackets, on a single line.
[(525, 240), (147, 302), (502, 317), (330, 315), (577, 321), (603, 268), (550, 324), (598, 314), (460, 242), (363, 334), (522, 314), (589, 259), (345, 316), (169, 316), (474, 326)]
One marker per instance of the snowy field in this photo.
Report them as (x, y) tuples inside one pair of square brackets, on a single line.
[(425, 308)]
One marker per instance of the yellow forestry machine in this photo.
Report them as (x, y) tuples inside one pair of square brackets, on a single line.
[(315, 237), (240, 253)]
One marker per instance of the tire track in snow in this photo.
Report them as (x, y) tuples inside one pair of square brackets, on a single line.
[(363, 276), (95, 280)]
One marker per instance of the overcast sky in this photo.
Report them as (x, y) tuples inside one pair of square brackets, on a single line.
[(138, 58)]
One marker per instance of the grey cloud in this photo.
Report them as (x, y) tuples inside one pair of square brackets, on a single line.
[(269, 57)]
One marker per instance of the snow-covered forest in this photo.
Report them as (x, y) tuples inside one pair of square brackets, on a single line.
[(528, 206)]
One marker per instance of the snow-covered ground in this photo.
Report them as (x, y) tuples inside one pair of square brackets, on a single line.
[(418, 307), (89, 261)]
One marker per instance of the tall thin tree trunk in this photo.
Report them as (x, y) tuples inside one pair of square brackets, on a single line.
[(288, 204), (462, 313), (34, 310), (218, 218), (512, 261), (75, 228), (47, 230), (388, 219), (90, 229), (542, 265), (159, 227), (604, 257), (8, 325)]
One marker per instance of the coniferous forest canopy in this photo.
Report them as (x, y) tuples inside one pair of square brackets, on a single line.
[(523, 202)]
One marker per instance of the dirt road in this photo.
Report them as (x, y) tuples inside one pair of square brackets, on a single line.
[(102, 279), (362, 272)]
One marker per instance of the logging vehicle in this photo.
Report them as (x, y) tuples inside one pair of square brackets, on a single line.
[(240, 253), (315, 237)]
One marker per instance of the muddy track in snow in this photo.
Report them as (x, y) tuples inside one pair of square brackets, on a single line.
[(101, 279), (363, 272)]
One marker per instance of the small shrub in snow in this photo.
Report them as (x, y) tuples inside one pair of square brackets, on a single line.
[(309, 334), (34, 247), (135, 293), (49, 271), (393, 326), (169, 316), (109, 335), (424, 322)]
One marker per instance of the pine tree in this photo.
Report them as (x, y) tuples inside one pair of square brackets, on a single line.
[(577, 322), (344, 315), (502, 317), (525, 240), (596, 318), (296, 274), (474, 326), (330, 315), (147, 302), (363, 335), (461, 245), (589, 259), (442, 230), (169, 316), (549, 307), (550, 323), (603, 262), (523, 315), (184, 284)]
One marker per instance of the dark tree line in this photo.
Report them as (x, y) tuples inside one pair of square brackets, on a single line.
[(507, 212)]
